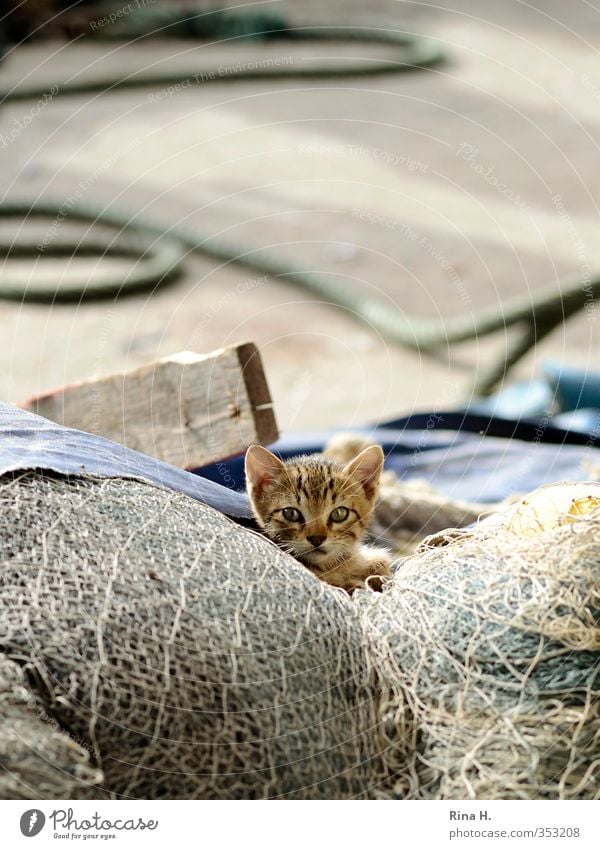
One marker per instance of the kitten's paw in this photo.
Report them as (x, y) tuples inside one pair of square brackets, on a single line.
[(379, 568), (379, 560)]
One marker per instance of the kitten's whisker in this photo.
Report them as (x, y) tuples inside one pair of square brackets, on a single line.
[(316, 486)]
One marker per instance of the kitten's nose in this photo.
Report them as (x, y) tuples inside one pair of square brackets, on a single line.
[(316, 541)]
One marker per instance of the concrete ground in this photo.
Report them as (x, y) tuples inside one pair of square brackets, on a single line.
[(443, 191)]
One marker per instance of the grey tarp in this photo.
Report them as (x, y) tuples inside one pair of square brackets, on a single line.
[(28, 441)]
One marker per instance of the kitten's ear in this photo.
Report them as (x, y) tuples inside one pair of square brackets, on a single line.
[(262, 468), (366, 469)]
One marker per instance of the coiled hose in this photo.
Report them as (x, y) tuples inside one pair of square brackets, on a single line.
[(160, 253)]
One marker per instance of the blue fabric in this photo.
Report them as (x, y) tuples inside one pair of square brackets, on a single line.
[(575, 389), (570, 395), (28, 441), (476, 458), (525, 399), (584, 420), (471, 457)]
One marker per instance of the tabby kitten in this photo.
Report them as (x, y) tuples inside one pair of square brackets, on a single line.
[(318, 510)]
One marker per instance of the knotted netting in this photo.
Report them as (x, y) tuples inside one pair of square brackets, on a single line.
[(192, 656), (153, 648), (493, 640)]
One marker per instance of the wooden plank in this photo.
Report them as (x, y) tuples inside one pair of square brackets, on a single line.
[(187, 409)]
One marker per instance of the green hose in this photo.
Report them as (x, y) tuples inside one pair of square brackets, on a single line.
[(412, 52), (160, 253)]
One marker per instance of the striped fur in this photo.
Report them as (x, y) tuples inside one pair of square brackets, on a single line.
[(318, 488)]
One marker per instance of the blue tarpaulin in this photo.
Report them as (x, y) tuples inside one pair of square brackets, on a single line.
[(28, 441), (464, 456)]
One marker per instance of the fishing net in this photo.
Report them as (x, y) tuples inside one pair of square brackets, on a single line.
[(39, 759), (192, 656), (152, 648), (494, 641), (406, 511)]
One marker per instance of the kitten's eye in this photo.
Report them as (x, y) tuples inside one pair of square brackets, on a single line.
[(339, 514), (290, 514)]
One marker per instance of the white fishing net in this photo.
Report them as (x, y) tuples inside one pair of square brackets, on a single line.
[(192, 656), (493, 639), (38, 758), (152, 648)]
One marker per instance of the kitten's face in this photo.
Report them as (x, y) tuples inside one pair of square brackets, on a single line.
[(315, 508)]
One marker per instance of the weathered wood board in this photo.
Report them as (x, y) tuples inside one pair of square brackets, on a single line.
[(187, 409)]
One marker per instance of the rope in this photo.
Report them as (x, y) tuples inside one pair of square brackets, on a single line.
[(412, 52), (160, 252), (160, 255)]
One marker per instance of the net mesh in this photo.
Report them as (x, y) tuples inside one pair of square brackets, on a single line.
[(39, 759), (494, 640), (151, 648), (193, 657)]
